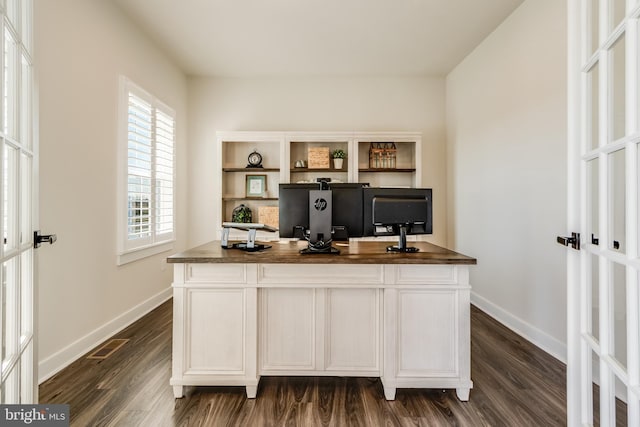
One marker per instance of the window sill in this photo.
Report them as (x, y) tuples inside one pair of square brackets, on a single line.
[(144, 252)]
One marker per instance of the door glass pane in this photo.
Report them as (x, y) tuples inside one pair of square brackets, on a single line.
[(593, 116), (25, 29), (593, 198), (25, 104), (595, 390), (10, 388), (9, 197), (595, 297), (10, 85), (26, 296), (12, 12), (618, 95), (26, 376), (621, 408), (617, 201), (618, 13), (9, 311), (620, 313), (25, 202), (593, 23)]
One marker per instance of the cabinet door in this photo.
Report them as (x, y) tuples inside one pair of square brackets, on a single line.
[(215, 331), (287, 323), (352, 330), (427, 333)]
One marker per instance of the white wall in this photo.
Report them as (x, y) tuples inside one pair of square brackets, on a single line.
[(81, 49), (506, 136), (312, 104)]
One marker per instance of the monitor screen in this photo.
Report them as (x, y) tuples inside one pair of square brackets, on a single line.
[(346, 210)]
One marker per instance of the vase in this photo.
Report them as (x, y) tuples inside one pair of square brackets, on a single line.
[(337, 163)]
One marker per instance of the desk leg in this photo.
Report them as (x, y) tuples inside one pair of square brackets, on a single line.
[(178, 391), (390, 342), (251, 334), (252, 391), (390, 393), (463, 394)]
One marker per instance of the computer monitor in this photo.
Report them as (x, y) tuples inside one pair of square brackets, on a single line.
[(294, 208), (397, 212), (346, 209), (346, 212)]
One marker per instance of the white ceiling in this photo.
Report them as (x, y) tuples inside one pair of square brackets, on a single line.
[(318, 37)]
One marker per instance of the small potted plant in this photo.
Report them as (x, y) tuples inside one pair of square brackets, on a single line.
[(338, 157)]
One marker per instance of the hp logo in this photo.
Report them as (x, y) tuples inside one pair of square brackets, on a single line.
[(320, 204)]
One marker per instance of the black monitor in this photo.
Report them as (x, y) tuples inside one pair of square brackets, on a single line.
[(294, 208), (397, 212), (346, 209), (346, 212)]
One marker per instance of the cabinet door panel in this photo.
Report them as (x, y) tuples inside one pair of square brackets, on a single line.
[(353, 328), (427, 333), (215, 327), (288, 329)]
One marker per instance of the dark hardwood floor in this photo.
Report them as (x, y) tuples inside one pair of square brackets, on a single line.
[(515, 384)]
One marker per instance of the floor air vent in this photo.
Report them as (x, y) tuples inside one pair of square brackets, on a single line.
[(107, 349)]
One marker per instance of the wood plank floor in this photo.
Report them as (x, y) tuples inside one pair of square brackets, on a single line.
[(515, 384)]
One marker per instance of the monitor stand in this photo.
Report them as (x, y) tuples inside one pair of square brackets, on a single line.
[(250, 245), (320, 223), (402, 242), (327, 249)]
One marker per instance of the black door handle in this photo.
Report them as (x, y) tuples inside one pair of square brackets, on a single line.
[(574, 240), (38, 238)]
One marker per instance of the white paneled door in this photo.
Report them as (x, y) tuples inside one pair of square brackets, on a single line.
[(18, 383), (603, 357)]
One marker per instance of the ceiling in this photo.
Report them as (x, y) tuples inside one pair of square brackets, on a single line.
[(318, 37)]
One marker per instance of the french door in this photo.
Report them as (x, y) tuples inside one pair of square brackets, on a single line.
[(603, 158), (18, 384)]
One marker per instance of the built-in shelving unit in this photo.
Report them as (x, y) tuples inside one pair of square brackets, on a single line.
[(281, 151), (298, 145), (233, 149), (407, 171)]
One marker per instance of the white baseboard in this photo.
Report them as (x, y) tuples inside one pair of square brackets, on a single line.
[(541, 339), (63, 358)]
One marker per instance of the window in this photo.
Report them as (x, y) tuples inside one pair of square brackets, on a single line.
[(147, 217)]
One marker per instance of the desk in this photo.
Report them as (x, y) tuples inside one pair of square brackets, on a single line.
[(238, 316)]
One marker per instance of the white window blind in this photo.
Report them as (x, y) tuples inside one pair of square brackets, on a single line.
[(150, 162)]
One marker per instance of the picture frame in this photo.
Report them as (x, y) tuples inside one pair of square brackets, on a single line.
[(256, 186)]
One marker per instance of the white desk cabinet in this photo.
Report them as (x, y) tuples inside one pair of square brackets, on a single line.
[(244, 316)]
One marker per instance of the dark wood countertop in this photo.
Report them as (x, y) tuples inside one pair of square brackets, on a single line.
[(288, 252)]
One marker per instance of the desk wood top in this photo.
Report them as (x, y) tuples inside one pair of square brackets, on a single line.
[(288, 252)]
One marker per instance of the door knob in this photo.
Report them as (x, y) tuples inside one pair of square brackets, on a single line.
[(574, 240), (38, 238)]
